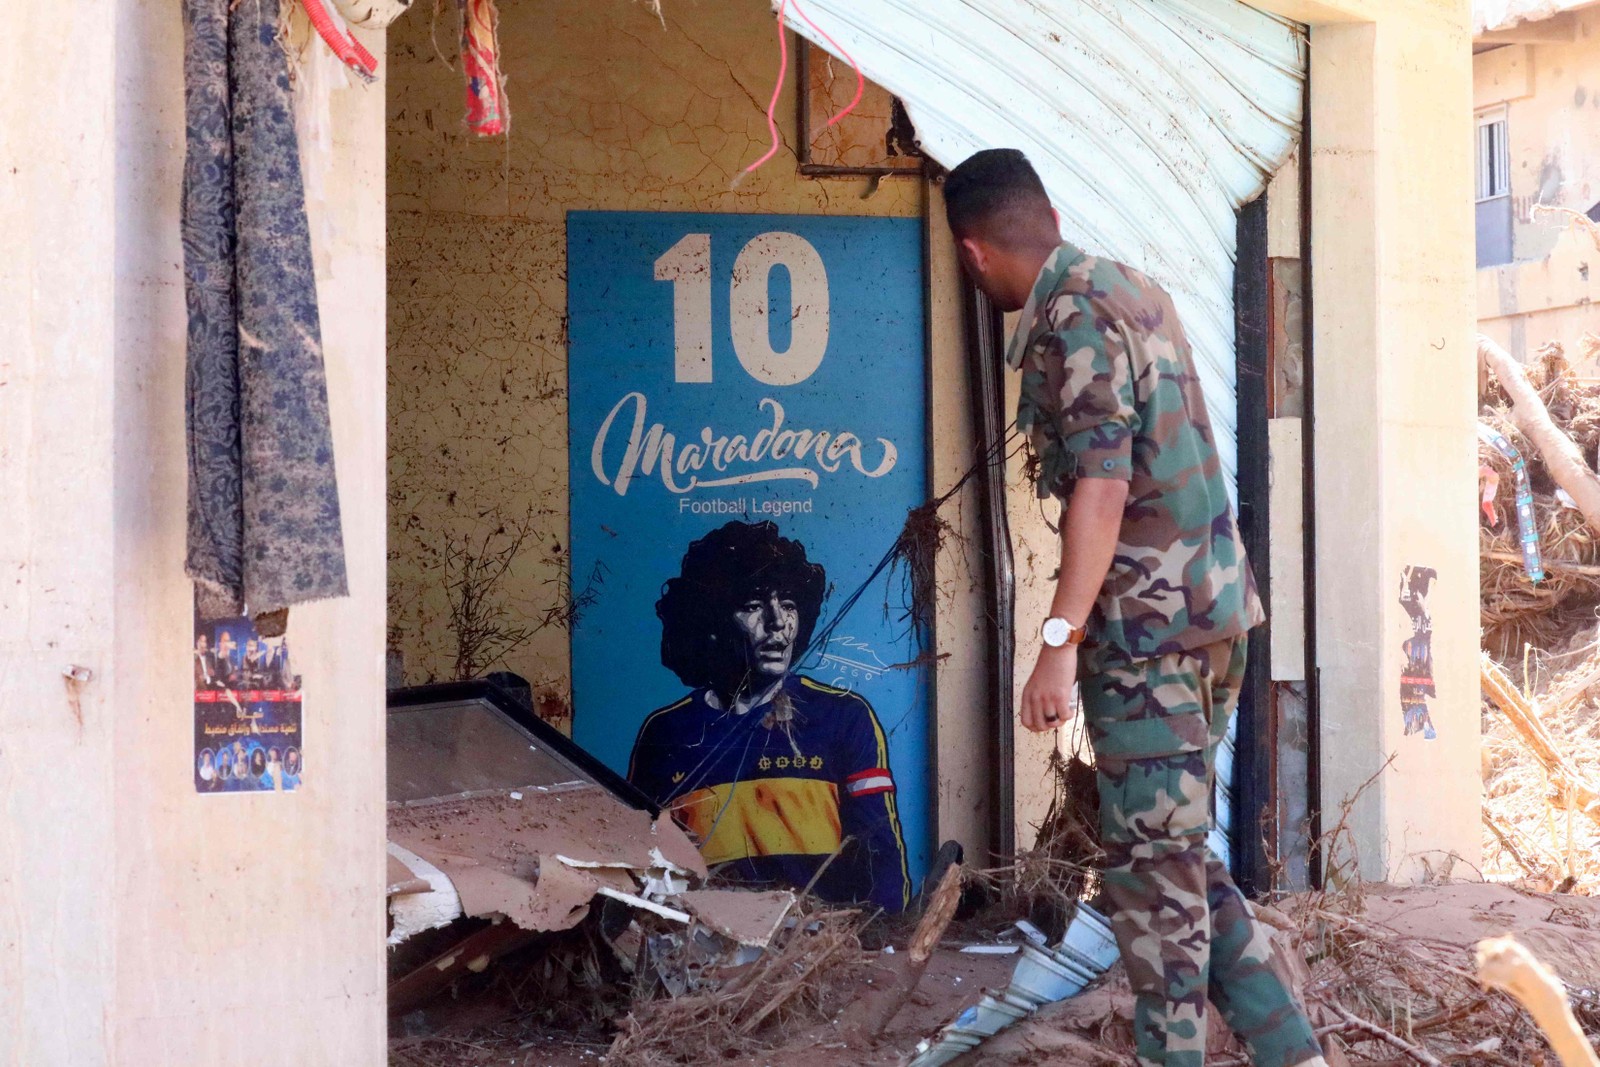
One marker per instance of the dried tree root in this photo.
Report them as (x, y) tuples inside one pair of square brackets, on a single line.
[(1505, 965), (1525, 719), (1561, 456)]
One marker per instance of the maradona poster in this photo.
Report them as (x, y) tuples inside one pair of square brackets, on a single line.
[(748, 432)]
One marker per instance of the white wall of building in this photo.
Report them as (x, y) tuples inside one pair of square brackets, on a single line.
[(141, 923)]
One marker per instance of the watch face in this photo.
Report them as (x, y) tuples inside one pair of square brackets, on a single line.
[(1056, 632)]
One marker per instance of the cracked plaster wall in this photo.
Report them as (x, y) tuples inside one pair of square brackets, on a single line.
[(611, 110)]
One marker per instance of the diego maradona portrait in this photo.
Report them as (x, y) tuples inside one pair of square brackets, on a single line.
[(770, 771)]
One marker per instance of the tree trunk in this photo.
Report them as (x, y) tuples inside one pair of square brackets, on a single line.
[(1561, 457)]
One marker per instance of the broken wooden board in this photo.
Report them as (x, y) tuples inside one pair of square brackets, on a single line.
[(541, 859), (746, 917)]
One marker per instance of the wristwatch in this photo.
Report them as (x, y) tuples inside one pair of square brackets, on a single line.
[(1058, 632)]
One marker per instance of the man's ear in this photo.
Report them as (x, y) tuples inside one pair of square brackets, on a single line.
[(977, 254)]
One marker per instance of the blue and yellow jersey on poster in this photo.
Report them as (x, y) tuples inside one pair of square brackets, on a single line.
[(771, 794)]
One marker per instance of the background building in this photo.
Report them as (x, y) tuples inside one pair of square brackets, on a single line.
[(1535, 73)]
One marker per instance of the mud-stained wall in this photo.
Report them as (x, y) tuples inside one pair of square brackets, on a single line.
[(612, 109), (1554, 136), (1550, 95), (300, 877)]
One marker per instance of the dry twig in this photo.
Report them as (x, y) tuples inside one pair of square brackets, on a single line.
[(1525, 718), (791, 985), (1577, 221)]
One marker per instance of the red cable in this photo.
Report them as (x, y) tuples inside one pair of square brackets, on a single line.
[(861, 79), (783, 71)]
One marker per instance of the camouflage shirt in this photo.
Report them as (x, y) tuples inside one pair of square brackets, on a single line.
[(1109, 391)]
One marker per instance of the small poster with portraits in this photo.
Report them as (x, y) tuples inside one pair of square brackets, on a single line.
[(247, 709), (748, 435)]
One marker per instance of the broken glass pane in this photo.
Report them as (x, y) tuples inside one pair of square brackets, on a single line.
[(469, 746)]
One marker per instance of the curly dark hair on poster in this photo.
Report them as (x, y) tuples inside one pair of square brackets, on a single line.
[(720, 572)]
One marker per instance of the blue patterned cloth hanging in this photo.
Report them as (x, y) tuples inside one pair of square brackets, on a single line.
[(264, 524), (1527, 529)]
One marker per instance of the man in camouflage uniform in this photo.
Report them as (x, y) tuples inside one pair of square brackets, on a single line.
[(1151, 611)]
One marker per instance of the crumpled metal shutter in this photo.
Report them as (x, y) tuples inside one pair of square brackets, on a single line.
[(1491, 15), (1150, 121)]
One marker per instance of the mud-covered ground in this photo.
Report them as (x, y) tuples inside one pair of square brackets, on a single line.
[(1400, 957)]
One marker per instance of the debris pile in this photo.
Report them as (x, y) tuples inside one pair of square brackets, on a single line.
[(1541, 674), (1541, 762), (1517, 610), (1402, 960), (1388, 975), (805, 979), (539, 905)]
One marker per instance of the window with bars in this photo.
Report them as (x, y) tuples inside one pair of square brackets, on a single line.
[(1494, 158), (1494, 217)]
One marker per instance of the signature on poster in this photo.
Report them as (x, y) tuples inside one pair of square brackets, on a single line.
[(657, 451), (852, 660)]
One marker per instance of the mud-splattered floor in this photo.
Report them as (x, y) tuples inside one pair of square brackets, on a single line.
[(480, 1036), (1091, 1030)]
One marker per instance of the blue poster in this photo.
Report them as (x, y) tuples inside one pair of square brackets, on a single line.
[(748, 433)]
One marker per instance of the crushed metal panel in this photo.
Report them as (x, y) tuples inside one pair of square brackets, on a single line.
[(461, 739), (1150, 121), (1491, 15), (467, 747)]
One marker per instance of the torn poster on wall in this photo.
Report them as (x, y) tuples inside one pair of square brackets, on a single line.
[(1416, 674), (247, 709), (748, 434)]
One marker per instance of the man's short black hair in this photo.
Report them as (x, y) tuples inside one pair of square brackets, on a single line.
[(720, 572), (997, 194)]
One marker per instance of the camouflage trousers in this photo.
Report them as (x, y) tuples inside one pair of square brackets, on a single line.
[(1186, 932)]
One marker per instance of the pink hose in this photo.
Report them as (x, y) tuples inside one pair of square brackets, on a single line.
[(783, 72), (350, 51)]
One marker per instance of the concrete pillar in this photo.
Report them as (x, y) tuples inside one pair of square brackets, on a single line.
[(141, 922), (964, 699), (1393, 415), (57, 580)]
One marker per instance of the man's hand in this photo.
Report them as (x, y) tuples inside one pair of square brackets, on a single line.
[(1047, 698)]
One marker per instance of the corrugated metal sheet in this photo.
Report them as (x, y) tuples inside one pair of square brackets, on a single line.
[(1150, 121)]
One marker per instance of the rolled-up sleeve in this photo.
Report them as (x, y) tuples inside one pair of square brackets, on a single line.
[(1098, 420)]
